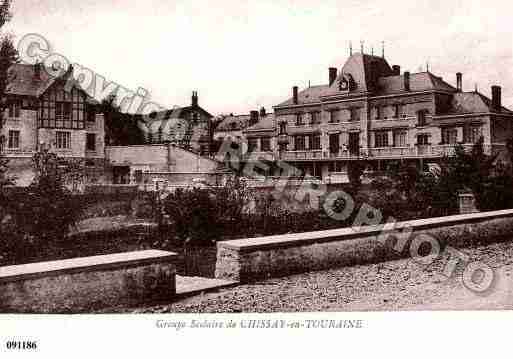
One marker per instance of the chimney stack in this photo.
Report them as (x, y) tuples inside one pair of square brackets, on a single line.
[(333, 74), (496, 98), (294, 95), (396, 70), (194, 98), (263, 112), (253, 117), (459, 81), (406, 81)]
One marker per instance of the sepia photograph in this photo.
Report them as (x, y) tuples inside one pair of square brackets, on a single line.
[(254, 160)]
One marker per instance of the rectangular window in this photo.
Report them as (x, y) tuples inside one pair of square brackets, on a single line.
[(265, 144), (334, 143), (63, 140), (379, 113), (58, 110), (91, 114), (315, 141), (334, 116), (449, 136), (471, 134), (299, 143), (423, 139), (252, 144), (63, 111), (381, 139), (14, 139), (299, 119), (315, 118), (138, 174), (91, 142), (399, 111), (421, 117), (14, 109), (400, 138), (283, 127), (354, 114)]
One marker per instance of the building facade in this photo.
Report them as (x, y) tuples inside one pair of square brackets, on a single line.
[(166, 163), (371, 111), (52, 112), (188, 127), (232, 127)]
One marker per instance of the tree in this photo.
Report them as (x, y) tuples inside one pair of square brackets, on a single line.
[(48, 208), (462, 172), (204, 215), (5, 12), (120, 128), (8, 56), (355, 170)]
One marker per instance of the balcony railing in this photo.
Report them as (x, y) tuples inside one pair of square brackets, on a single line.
[(10, 152), (302, 155), (421, 151), (416, 151), (259, 156)]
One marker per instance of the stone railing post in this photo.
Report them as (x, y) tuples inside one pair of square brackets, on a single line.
[(467, 203)]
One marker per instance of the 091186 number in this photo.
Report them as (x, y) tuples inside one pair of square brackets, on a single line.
[(21, 345)]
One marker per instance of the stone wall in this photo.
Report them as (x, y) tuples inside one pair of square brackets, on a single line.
[(256, 258), (85, 284)]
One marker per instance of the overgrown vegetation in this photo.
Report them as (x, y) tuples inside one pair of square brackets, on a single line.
[(121, 129), (406, 192), (205, 215), (40, 216)]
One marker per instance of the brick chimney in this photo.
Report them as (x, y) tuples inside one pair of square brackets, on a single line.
[(253, 117), (407, 81), (396, 69), (194, 101), (294, 95), (263, 112), (459, 81), (332, 75), (496, 98)]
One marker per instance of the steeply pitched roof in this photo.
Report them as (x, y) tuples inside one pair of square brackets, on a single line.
[(422, 81), (472, 102), (362, 69), (264, 123), (175, 113), (371, 74), (309, 95), (233, 123), (22, 80)]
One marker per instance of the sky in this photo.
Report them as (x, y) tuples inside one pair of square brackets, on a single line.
[(242, 55)]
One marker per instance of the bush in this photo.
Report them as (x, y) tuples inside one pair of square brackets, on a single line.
[(405, 192), (39, 217), (204, 215)]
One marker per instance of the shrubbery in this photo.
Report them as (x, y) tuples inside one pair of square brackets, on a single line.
[(405, 192), (205, 215), (39, 216)]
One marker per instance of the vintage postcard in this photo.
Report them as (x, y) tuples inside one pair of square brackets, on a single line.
[(307, 176)]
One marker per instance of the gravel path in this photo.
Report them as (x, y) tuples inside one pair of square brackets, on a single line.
[(398, 285)]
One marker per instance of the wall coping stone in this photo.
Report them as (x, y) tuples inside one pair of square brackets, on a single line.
[(123, 228), (299, 239), (84, 264)]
